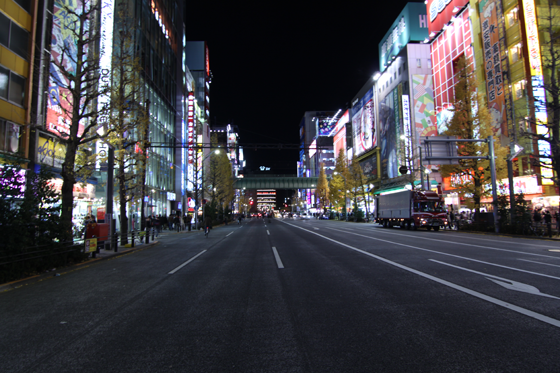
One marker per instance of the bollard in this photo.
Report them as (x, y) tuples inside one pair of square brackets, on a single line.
[(132, 238), (147, 235), (153, 234)]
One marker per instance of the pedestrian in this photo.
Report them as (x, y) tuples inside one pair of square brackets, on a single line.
[(157, 225), (176, 223), (557, 217), (548, 221), (189, 222)]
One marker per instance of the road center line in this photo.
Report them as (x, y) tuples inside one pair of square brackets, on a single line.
[(476, 294), (187, 262), (277, 257)]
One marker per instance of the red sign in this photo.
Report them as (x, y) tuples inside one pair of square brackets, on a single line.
[(101, 213), (440, 12)]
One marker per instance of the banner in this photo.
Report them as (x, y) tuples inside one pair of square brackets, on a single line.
[(493, 66)]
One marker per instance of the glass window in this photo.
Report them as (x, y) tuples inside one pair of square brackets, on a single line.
[(4, 30), (515, 53), (512, 17), (17, 84), (4, 82), (519, 89), (12, 133), (25, 4), (19, 40), (3, 135)]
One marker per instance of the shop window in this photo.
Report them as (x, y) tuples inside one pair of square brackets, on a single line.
[(516, 53), (519, 89), (512, 17)]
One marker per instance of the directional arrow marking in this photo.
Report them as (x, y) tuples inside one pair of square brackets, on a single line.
[(508, 284)]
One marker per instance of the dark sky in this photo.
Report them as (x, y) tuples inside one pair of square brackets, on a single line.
[(271, 64)]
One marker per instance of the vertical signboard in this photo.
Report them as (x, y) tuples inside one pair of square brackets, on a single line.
[(190, 125), (493, 66), (425, 122), (537, 82), (105, 53)]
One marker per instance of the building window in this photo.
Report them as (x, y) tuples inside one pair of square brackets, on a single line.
[(12, 86), (4, 82), (519, 89), (515, 53), (13, 37), (9, 136), (512, 17)]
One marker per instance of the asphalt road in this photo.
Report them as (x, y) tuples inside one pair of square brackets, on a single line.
[(296, 296)]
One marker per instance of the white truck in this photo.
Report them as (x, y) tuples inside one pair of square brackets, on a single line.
[(411, 209)]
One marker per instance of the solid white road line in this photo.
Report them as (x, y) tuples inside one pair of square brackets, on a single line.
[(277, 257), (476, 294), (533, 261), (187, 262)]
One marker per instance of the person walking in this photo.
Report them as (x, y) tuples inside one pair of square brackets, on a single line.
[(207, 225), (548, 221), (188, 221), (176, 223)]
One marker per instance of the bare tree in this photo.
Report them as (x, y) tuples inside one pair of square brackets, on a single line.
[(73, 93), (129, 119)]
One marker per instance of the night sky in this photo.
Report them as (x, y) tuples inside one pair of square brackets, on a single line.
[(270, 65)]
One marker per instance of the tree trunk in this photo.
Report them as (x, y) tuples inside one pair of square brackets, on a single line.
[(122, 199), (67, 200)]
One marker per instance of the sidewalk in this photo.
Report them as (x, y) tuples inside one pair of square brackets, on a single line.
[(101, 255)]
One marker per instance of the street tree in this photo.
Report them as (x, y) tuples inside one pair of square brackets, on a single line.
[(129, 120), (338, 184), (219, 181), (322, 190), (471, 120), (74, 90), (543, 120), (357, 185)]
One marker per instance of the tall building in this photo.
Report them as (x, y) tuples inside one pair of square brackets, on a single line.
[(17, 31)]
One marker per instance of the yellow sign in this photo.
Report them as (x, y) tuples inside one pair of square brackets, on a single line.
[(90, 245)]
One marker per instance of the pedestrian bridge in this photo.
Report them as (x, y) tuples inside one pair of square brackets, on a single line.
[(288, 182)]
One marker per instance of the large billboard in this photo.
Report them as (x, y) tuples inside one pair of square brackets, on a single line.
[(363, 124), (410, 25), (440, 12), (339, 142), (425, 122), (64, 51), (389, 119)]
